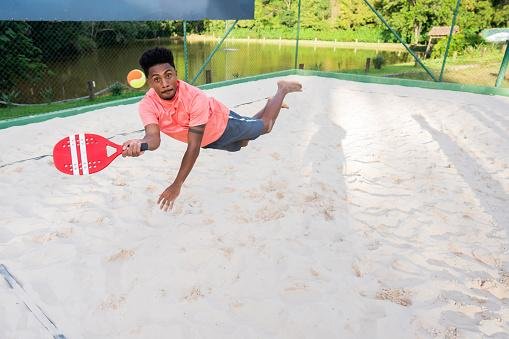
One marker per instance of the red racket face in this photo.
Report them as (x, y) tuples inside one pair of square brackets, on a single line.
[(84, 154)]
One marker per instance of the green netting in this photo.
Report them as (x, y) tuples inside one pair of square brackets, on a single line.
[(46, 62)]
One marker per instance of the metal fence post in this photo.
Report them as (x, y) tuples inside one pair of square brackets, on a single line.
[(451, 32), (297, 41), (186, 59), (503, 66), (213, 52)]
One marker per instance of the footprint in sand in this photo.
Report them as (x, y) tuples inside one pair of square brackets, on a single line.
[(356, 270), (112, 303), (195, 294), (273, 186), (269, 213), (227, 252), (325, 206), (296, 287), (121, 255), (314, 273), (269, 186), (451, 333), (62, 233), (119, 181), (504, 278), (314, 197), (275, 156), (103, 220), (398, 296)]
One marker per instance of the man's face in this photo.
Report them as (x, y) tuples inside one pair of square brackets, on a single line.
[(163, 79)]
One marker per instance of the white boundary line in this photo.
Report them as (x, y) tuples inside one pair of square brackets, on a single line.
[(20, 292)]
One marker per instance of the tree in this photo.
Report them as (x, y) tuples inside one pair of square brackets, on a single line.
[(61, 40), (21, 59), (412, 17), (315, 14), (351, 14)]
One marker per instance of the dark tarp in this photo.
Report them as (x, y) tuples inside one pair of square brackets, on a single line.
[(124, 10)]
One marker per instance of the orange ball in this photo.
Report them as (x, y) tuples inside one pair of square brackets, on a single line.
[(136, 78)]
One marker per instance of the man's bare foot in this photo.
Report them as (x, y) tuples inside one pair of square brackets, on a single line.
[(289, 86), (243, 143), (283, 104)]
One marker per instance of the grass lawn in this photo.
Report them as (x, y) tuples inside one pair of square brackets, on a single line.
[(481, 71), (11, 112)]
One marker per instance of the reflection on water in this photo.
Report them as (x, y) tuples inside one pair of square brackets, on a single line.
[(234, 59)]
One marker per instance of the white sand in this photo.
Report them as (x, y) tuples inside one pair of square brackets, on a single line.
[(370, 211)]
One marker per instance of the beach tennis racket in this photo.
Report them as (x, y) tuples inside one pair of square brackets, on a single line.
[(86, 153)]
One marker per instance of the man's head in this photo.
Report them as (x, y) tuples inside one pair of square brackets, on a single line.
[(158, 65)]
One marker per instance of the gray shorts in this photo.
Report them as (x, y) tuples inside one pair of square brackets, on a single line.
[(238, 128)]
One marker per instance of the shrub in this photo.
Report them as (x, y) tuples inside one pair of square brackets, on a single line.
[(9, 97), (459, 43), (378, 61), (117, 88), (47, 94)]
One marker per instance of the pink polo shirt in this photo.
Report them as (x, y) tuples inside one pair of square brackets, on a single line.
[(189, 107)]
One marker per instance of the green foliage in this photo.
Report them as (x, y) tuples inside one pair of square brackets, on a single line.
[(288, 18), (378, 61), (316, 67), (352, 14), (459, 44), (115, 33), (348, 20), (59, 40), (362, 34), (9, 97), (412, 19), (501, 16), (117, 88), (315, 15), (47, 94), (21, 59)]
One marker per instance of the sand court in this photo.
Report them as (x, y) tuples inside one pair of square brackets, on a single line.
[(370, 211)]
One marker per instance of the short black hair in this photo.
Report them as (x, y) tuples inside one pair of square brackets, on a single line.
[(156, 56)]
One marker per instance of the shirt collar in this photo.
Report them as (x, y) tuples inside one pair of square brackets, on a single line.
[(169, 104)]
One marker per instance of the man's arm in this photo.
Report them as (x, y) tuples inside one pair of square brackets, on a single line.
[(152, 136), (132, 148), (194, 137)]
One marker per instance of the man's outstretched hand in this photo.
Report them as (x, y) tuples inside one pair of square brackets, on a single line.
[(167, 198)]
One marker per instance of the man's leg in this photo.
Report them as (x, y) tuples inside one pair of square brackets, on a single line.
[(271, 110), (259, 114)]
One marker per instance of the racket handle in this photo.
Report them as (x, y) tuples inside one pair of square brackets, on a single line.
[(143, 146)]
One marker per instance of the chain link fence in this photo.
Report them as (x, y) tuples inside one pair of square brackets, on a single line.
[(46, 62)]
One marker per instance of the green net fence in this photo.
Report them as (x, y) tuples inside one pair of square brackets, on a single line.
[(46, 62)]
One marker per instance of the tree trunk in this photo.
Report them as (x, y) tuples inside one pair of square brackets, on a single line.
[(417, 32), (334, 9)]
